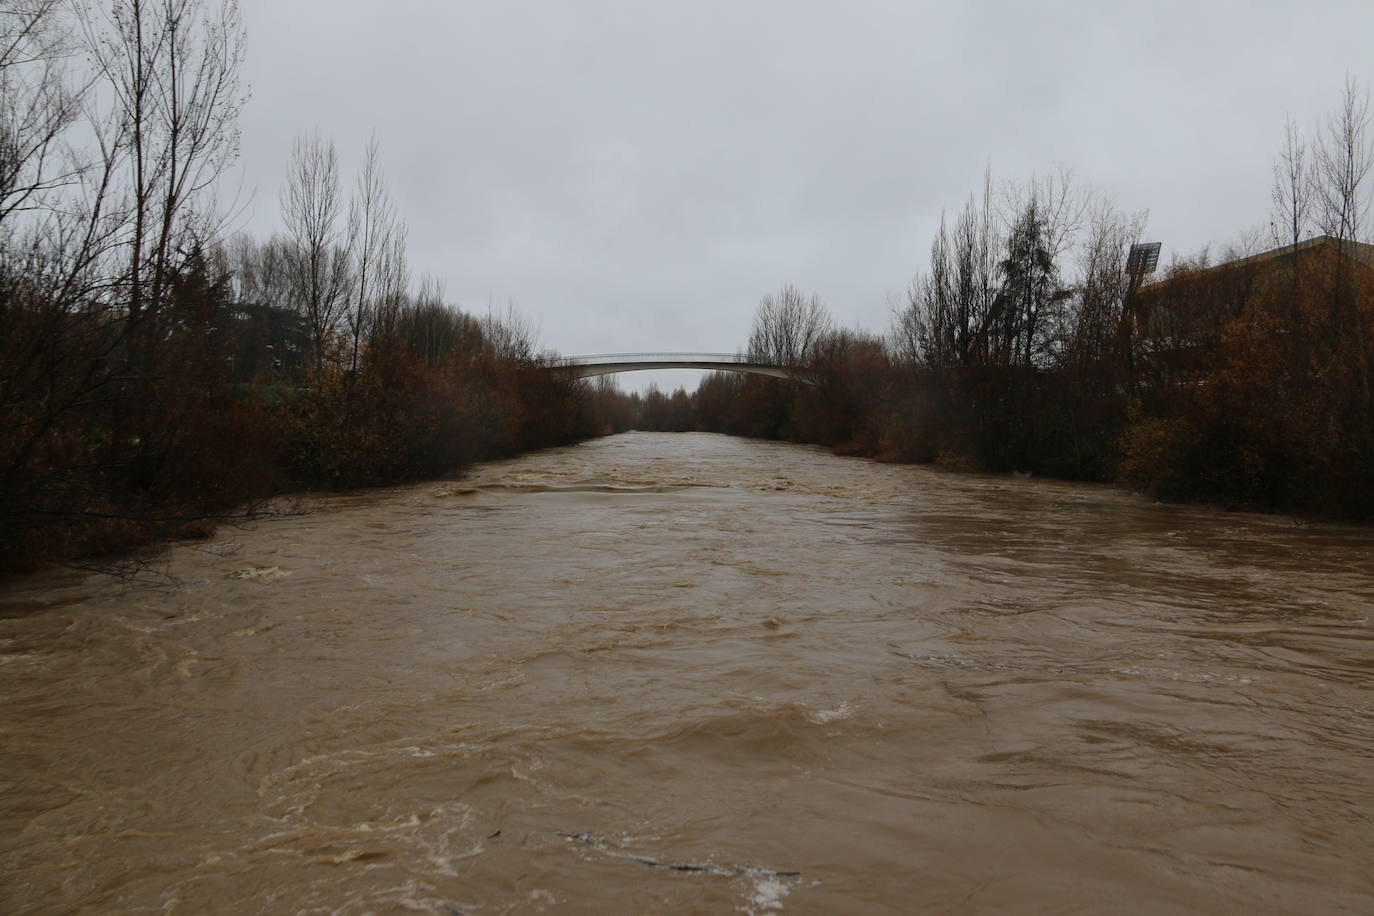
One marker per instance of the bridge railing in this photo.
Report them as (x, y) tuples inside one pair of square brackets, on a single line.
[(741, 359)]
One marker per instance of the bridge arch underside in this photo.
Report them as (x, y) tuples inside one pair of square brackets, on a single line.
[(587, 370)]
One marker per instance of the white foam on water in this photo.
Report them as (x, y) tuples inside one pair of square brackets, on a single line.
[(769, 891), (260, 573), (822, 716)]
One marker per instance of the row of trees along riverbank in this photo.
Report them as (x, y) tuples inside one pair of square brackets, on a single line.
[(155, 377), (1023, 346)]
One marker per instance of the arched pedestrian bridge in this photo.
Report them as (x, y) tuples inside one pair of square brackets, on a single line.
[(606, 363)]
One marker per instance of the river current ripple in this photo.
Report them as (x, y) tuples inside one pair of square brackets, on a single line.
[(691, 673)]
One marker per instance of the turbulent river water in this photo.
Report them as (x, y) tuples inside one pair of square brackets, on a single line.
[(690, 673)]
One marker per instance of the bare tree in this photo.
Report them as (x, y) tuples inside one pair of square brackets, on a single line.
[(436, 332), (949, 307), (115, 240), (931, 323), (1041, 221), (1291, 193), (509, 336), (311, 205), (788, 327), (1099, 314), (393, 285), (1341, 164), (171, 67), (373, 249), (1063, 207), (39, 102), (905, 336), (261, 272)]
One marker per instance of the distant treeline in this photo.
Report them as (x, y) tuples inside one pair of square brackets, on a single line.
[(1028, 345), (155, 379)]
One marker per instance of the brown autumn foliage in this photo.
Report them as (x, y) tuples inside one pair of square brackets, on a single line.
[(1267, 402), (115, 432), (101, 453), (154, 381), (1247, 383)]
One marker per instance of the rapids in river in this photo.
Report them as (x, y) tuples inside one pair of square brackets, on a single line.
[(691, 673)]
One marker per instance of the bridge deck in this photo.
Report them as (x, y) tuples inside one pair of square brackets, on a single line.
[(607, 363)]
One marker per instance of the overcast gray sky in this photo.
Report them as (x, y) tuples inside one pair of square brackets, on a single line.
[(635, 175)]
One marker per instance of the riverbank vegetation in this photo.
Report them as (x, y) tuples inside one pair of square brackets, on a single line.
[(1028, 344), (159, 373), (156, 376)]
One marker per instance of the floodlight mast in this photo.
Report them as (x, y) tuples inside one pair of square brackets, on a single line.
[(1142, 259)]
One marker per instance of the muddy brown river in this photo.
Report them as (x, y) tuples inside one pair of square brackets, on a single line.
[(681, 673)]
